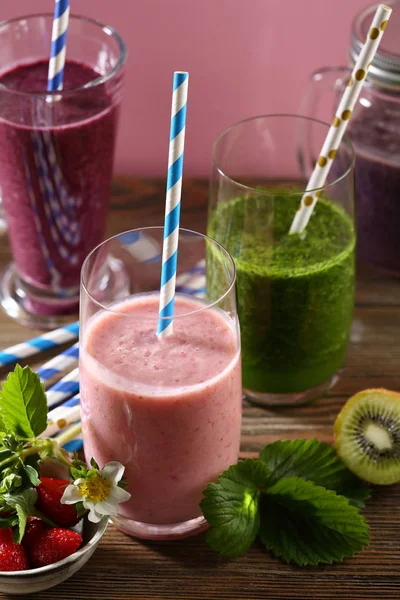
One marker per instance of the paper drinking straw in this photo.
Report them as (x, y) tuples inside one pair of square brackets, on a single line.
[(55, 275), (68, 200), (342, 116), (58, 46), (74, 445), (173, 203), (58, 364), (69, 412), (49, 340), (63, 389), (56, 211)]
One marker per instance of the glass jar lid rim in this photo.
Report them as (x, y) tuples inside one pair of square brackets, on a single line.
[(385, 68)]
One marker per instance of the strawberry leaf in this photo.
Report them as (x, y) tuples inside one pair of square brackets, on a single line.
[(231, 507), (8, 521), (307, 524), (32, 475), (317, 462), (23, 405), (24, 505)]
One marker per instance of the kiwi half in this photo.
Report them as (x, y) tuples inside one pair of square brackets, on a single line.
[(367, 436)]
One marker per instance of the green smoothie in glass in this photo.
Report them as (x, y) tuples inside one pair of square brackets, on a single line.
[(295, 292)]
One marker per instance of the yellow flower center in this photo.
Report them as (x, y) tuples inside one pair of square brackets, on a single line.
[(95, 489)]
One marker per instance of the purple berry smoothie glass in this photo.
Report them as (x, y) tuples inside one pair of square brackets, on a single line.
[(374, 129), (56, 161)]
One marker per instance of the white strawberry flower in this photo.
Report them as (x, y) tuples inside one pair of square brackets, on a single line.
[(99, 492)]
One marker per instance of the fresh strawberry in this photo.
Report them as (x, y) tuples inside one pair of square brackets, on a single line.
[(33, 532), (47, 545), (50, 492), (13, 556)]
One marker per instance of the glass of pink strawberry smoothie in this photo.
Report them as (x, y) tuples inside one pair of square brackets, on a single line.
[(168, 409)]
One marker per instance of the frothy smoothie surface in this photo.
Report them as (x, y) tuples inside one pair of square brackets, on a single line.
[(32, 77), (168, 409), (201, 346)]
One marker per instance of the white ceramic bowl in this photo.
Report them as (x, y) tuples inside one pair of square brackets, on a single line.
[(43, 578)]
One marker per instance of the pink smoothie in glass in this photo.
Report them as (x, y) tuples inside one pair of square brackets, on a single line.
[(168, 409), (55, 173)]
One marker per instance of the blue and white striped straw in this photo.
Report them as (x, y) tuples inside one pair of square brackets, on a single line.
[(66, 414), (173, 203), (63, 389), (58, 364), (58, 46), (49, 340), (74, 445)]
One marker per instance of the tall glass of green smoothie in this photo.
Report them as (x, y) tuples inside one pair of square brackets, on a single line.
[(295, 291)]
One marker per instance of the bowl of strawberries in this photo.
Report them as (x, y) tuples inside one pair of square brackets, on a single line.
[(53, 547), (54, 507)]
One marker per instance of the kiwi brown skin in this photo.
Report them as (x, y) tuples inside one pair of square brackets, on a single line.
[(362, 465)]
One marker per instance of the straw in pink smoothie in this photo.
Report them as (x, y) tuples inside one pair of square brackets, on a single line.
[(173, 203)]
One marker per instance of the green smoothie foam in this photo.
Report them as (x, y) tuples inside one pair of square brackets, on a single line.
[(295, 292)]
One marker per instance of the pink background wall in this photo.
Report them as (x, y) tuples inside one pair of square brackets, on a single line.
[(245, 57)]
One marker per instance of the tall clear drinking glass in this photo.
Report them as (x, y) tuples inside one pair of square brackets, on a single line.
[(56, 160), (295, 292), (168, 409)]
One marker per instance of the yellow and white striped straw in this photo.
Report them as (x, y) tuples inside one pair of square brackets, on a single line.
[(342, 116)]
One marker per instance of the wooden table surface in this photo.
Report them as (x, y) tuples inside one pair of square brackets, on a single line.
[(123, 568)]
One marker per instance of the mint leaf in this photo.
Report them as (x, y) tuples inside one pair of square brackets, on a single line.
[(308, 524), (315, 461), (231, 507), (23, 405), (24, 504)]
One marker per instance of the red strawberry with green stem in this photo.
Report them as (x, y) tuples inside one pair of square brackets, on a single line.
[(49, 493), (13, 556)]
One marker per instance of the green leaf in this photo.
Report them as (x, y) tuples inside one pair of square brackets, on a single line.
[(24, 504), (3, 428), (6, 453), (23, 403), (8, 521), (33, 461), (80, 509), (231, 507), (308, 524), (32, 475), (94, 464), (317, 462), (10, 482)]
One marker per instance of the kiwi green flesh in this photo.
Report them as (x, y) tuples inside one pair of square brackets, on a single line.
[(368, 440)]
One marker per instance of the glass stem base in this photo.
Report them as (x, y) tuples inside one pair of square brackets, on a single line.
[(40, 312), (148, 531), (293, 399)]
